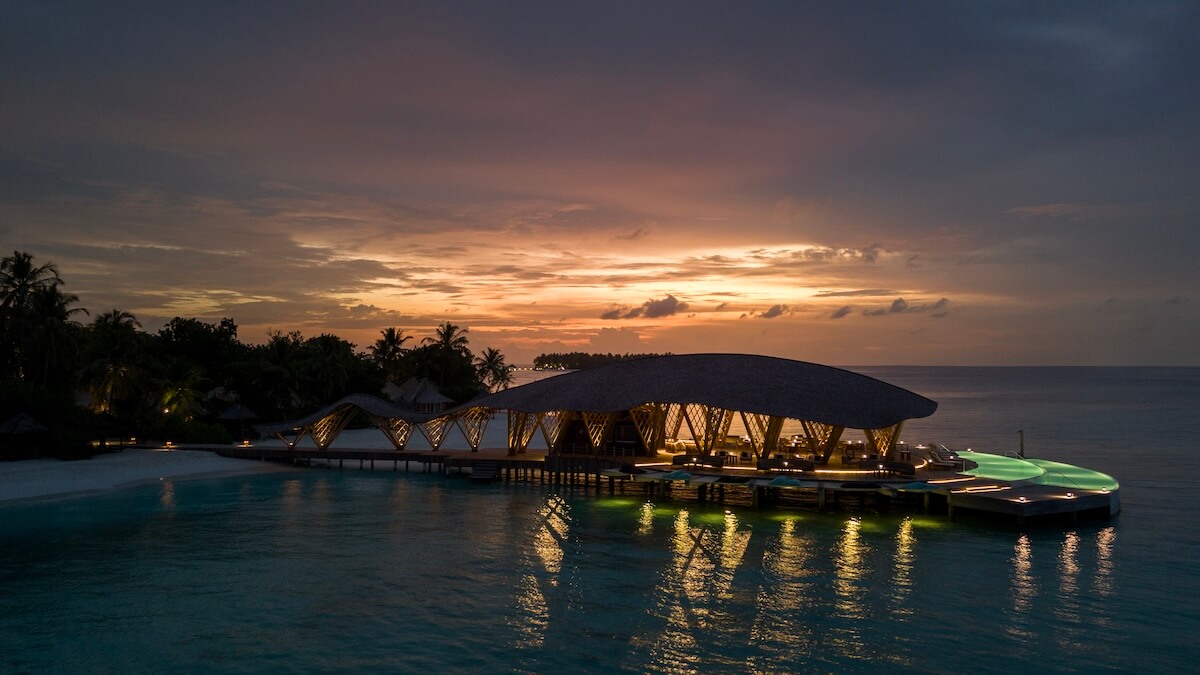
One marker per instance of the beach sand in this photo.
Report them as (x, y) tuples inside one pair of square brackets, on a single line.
[(51, 478)]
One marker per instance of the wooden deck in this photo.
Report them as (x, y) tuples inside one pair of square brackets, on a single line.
[(941, 489)]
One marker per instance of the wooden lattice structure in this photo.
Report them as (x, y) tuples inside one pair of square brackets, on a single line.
[(398, 431), (521, 428), (705, 392), (473, 422), (598, 425), (650, 420), (435, 430), (657, 397), (554, 423)]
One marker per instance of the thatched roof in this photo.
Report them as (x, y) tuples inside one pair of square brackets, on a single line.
[(416, 391), (757, 384)]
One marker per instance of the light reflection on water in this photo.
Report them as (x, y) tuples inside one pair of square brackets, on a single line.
[(542, 572), (902, 570), (1023, 588), (1070, 636), (353, 570), (167, 500), (780, 628), (850, 566), (645, 519), (1102, 583)]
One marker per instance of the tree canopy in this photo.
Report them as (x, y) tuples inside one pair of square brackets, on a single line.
[(110, 378)]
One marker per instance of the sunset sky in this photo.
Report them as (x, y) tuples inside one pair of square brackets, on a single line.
[(846, 183)]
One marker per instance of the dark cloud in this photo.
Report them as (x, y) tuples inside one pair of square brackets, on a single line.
[(665, 307), (774, 311), (651, 309), (902, 306), (841, 312)]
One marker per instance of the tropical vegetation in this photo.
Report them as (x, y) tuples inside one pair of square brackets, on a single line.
[(108, 378)]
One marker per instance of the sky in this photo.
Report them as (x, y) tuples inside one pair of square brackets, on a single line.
[(852, 183)]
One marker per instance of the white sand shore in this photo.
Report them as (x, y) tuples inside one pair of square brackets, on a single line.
[(42, 478)]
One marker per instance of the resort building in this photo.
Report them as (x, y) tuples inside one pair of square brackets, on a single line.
[(668, 419)]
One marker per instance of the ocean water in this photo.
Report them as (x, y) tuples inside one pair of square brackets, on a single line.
[(332, 571)]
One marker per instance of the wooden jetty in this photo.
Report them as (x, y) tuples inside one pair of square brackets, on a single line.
[(943, 491)]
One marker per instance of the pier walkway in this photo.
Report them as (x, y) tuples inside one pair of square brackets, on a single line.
[(941, 490)]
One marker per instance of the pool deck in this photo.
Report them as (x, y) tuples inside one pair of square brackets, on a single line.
[(1005, 486)]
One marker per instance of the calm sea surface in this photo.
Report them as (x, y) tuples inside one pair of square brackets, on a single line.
[(326, 571)]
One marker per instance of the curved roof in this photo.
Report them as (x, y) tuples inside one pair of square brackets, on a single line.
[(757, 384), (372, 405)]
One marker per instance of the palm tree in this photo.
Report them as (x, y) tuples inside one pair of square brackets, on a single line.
[(450, 358), (20, 281), (493, 370), (178, 390), (449, 338), (388, 351), (19, 278), (326, 367), (52, 328), (114, 351)]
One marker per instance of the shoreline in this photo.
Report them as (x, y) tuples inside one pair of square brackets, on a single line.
[(53, 479)]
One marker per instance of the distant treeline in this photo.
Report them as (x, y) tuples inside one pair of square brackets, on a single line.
[(76, 381), (580, 360)]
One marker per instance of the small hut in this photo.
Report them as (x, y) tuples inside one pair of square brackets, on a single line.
[(237, 419), (419, 394)]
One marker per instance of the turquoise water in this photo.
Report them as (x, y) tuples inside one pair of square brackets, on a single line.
[(325, 571)]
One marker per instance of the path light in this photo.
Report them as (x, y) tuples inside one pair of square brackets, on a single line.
[(1022, 499), (1070, 495)]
